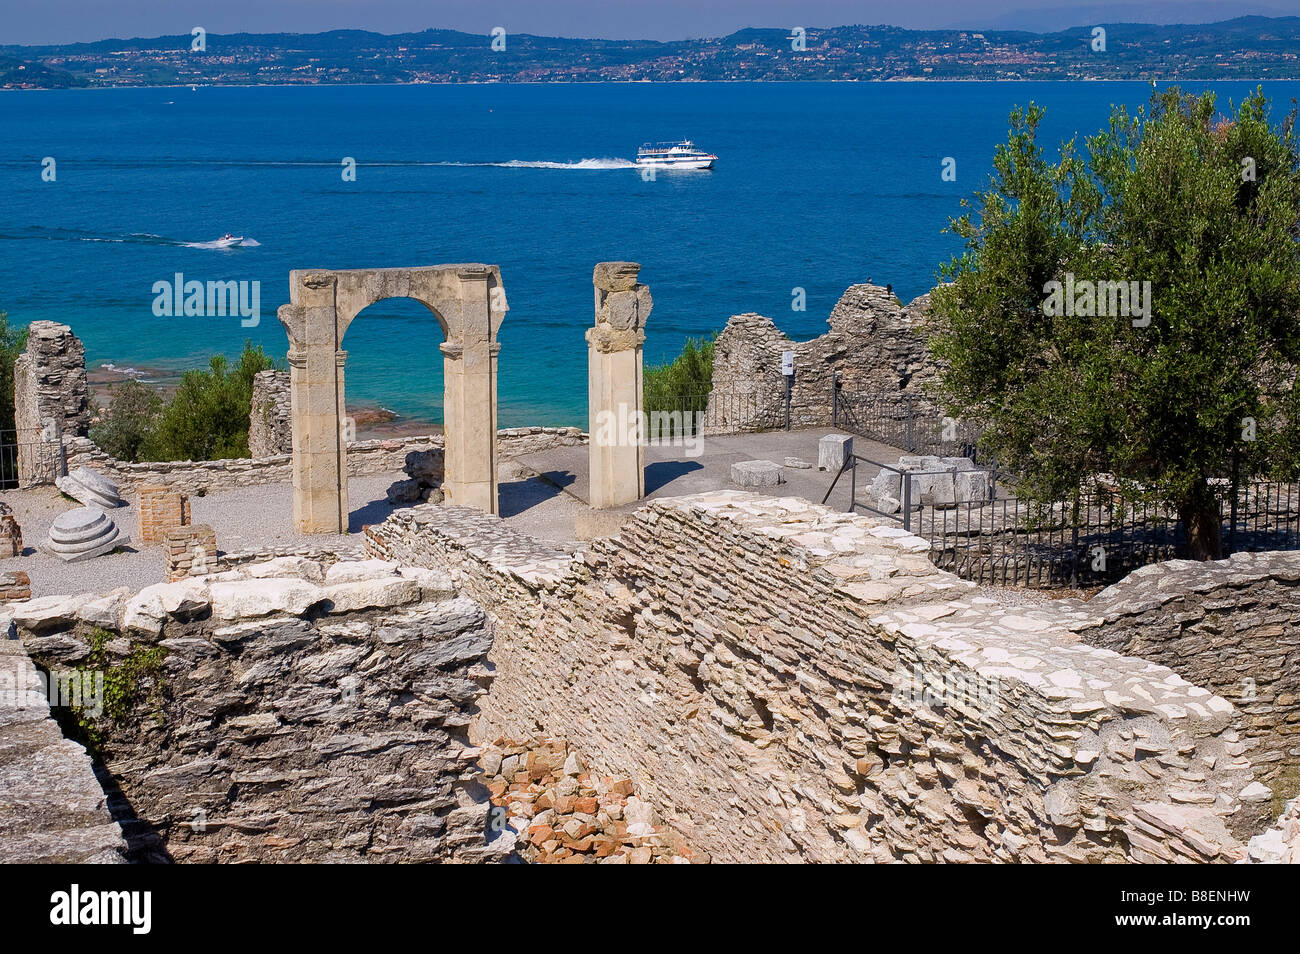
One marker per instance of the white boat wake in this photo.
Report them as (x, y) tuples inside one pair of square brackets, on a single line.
[(581, 165), (222, 243)]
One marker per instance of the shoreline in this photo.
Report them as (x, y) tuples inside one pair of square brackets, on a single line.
[(373, 421), (1182, 81)]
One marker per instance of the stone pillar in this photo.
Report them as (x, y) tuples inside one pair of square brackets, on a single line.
[(269, 427), (470, 400), (11, 536), (160, 509), (614, 386), (190, 551), (320, 500), (51, 400)]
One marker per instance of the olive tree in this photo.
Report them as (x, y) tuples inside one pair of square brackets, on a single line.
[(1133, 307)]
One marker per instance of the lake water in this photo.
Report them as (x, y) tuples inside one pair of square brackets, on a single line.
[(818, 186)]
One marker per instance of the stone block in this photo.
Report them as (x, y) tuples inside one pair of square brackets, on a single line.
[(933, 482), (972, 485), (82, 534), (404, 491), (833, 450), (11, 536), (15, 585), (90, 488), (756, 473)]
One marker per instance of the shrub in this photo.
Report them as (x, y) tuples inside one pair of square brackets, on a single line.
[(207, 417), (683, 383), (12, 342), (126, 426)]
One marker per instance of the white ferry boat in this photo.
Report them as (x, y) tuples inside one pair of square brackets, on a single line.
[(674, 155)]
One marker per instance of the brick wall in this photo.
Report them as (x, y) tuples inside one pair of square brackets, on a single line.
[(11, 536), (190, 551), (15, 585), (160, 509)]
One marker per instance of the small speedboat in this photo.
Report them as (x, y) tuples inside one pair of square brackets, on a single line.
[(674, 155), (228, 241)]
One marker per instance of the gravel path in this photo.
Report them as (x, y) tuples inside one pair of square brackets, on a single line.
[(246, 518)]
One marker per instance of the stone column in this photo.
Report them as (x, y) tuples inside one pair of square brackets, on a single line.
[(470, 400), (320, 500), (614, 386)]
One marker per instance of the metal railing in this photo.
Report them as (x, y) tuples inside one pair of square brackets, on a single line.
[(1093, 540), (905, 421), (709, 412), (29, 456)]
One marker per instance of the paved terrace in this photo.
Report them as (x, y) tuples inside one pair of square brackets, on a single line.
[(541, 494)]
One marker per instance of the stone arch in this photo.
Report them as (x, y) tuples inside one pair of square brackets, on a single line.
[(469, 304)]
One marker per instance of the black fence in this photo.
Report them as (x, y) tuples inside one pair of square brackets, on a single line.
[(709, 412), (909, 422), (978, 529), (28, 454)]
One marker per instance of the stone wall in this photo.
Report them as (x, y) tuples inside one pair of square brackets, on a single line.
[(51, 400), (53, 810), (50, 381), (383, 456), (52, 405), (874, 343), (284, 712), (791, 683), (183, 548), (1232, 626), (270, 427)]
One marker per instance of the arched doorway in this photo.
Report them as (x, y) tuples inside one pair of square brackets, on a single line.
[(469, 303)]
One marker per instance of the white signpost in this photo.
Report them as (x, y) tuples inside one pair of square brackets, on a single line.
[(787, 368)]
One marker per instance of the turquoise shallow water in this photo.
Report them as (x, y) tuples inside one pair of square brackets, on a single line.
[(818, 186)]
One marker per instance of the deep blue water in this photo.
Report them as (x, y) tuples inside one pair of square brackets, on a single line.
[(818, 186)]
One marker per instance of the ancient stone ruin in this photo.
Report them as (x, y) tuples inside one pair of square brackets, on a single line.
[(931, 482), (83, 534), (270, 420), (424, 471), (91, 489), (331, 703), (51, 400), (793, 683), (614, 385), (875, 345), (469, 304)]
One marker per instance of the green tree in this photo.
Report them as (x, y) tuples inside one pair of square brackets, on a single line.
[(683, 383), (12, 342), (207, 417), (1203, 207), (126, 426)]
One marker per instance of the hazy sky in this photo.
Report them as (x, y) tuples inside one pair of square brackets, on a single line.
[(59, 21)]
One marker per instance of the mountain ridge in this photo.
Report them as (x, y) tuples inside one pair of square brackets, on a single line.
[(1247, 47)]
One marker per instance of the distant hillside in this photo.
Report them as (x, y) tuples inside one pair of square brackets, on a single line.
[(1243, 48), (23, 74)]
